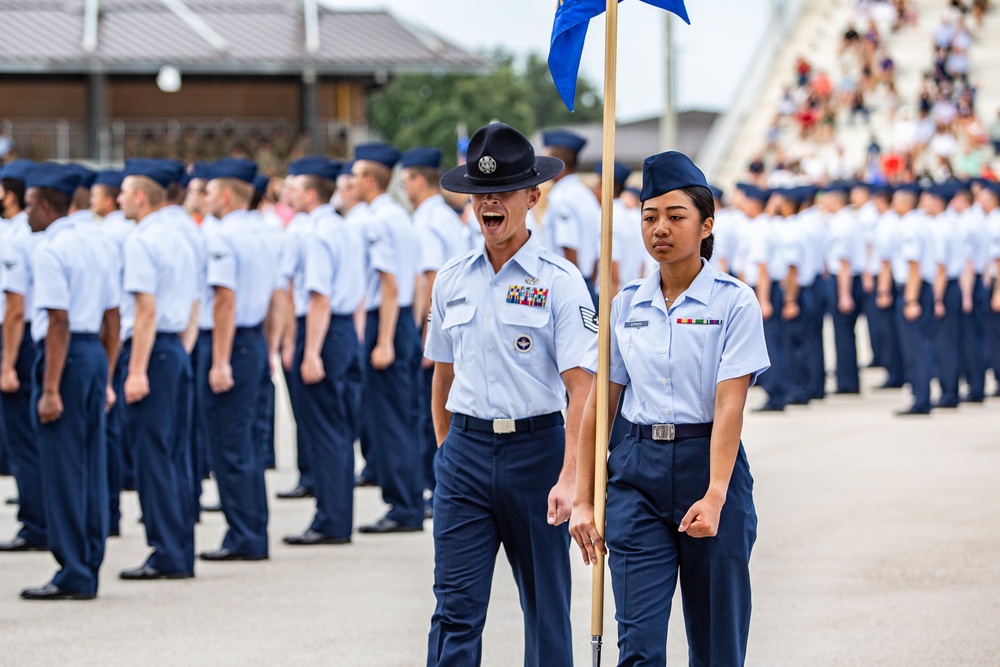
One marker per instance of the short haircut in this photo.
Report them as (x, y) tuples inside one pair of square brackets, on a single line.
[(155, 194), (430, 175), (381, 173), (58, 201), (17, 188), (241, 190), (567, 155), (324, 187), (81, 199), (107, 191), (176, 193)]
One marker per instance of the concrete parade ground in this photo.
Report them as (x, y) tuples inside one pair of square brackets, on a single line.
[(878, 544)]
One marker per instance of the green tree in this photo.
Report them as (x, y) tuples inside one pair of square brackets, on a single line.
[(426, 109)]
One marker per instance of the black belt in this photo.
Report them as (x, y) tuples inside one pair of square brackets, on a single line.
[(501, 426), (258, 329), (668, 432)]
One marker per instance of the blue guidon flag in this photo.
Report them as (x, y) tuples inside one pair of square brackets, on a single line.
[(569, 32)]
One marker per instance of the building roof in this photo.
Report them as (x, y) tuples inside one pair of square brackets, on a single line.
[(636, 141), (215, 37)]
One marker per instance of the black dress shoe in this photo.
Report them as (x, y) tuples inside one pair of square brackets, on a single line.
[(971, 399), (361, 480), (13, 500), (890, 385), (767, 407), (298, 492), (226, 554), (53, 592), (387, 525), (114, 532), (217, 507), (947, 405), (847, 392), (911, 412), (148, 573), (312, 538), (21, 544)]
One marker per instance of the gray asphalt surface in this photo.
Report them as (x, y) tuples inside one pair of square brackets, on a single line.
[(879, 544)]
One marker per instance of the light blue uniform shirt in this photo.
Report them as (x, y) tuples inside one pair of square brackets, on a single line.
[(442, 235), (916, 244), (160, 260), (948, 243), (573, 220), (670, 367), (886, 237), (765, 248), (509, 334), (335, 261), (192, 233), (993, 231), (975, 238), (243, 257), (116, 225), (845, 242), (793, 248), (393, 247), (813, 224), (627, 247), (75, 271), (297, 236), (206, 318), (18, 247)]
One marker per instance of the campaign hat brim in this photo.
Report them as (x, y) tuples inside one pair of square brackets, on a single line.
[(458, 180)]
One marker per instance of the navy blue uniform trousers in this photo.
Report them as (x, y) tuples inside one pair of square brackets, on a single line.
[(235, 456), (493, 490), (797, 341), (884, 319), (651, 486), (23, 442), (775, 379), (917, 338), (846, 341), (391, 413), (201, 362), (293, 380), (947, 341), (158, 425), (116, 438), (263, 427), (973, 328), (426, 432), (329, 415), (73, 458)]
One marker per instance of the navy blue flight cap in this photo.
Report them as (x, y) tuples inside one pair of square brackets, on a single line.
[(943, 191), (564, 139), (840, 187), (794, 195), (634, 191), (16, 169), (716, 192), (345, 170), (751, 191), (500, 159), (52, 176), (234, 167), (175, 168), (422, 157), (992, 186), (260, 183), (110, 177), (622, 172), (87, 176), (665, 172), (384, 154), (315, 165), (151, 169), (883, 190), (911, 188), (202, 170), (862, 184)]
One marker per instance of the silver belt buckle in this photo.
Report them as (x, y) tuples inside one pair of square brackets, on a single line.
[(662, 432), (501, 426)]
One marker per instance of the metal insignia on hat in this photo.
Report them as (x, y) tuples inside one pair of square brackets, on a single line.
[(531, 281), (487, 165)]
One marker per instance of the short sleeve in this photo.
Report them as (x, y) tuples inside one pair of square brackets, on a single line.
[(433, 248), (319, 267), (744, 351), (291, 245), (14, 277), (566, 231), (221, 262), (438, 346), (51, 280), (114, 285), (140, 267), (381, 250), (617, 371), (575, 321)]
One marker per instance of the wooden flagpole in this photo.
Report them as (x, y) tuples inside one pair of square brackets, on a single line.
[(604, 317)]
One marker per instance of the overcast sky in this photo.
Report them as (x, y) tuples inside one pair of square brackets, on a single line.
[(712, 52)]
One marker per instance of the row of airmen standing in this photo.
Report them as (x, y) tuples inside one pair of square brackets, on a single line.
[(917, 262)]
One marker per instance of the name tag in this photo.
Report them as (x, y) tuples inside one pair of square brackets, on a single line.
[(455, 302), (528, 296), (637, 324), (690, 321)]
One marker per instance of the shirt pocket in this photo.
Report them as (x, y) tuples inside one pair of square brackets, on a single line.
[(525, 330), (458, 325)]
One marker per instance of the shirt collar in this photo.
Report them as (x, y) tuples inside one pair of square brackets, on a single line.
[(527, 256), (700, 288), (60, 225), (430, 202), (80, 217), (320, 211)]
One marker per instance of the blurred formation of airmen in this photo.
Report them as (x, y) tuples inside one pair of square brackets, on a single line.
[(208, 291)]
